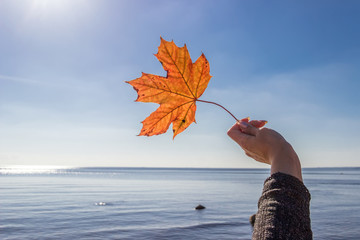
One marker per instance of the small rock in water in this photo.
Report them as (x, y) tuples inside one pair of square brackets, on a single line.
[(199, 207)]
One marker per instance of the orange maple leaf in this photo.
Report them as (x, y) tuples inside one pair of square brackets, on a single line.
[(177, 93)]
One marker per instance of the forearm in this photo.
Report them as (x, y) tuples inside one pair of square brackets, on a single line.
[(283, 209)]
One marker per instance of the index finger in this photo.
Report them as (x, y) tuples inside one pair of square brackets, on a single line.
[(258, 123), (237, 134)]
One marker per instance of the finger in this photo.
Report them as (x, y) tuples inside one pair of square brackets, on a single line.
[(256, 157), (248, 128), (248, 154), (238, 136), (234, 131), (253, 156), (258, 123)]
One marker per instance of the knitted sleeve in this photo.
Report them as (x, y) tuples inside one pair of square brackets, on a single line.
[(283, 209)]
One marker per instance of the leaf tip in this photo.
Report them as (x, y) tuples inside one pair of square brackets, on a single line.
[(161, 39)]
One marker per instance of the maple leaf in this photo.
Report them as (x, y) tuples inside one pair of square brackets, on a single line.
[(177, 93)]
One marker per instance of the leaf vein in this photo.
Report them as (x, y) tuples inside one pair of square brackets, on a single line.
[(166, 90), (182, 75), (170, 112)]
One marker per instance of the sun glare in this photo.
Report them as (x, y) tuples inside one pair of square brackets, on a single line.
[(49, 8), (49, 5), (50, 12)]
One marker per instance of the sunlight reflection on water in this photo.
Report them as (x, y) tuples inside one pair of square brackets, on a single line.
[(32, 169)]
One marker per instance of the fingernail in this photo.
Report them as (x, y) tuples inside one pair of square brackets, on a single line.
[(243, 124), (247, 119)]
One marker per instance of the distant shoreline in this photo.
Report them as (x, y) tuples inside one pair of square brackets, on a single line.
[(33, 169)]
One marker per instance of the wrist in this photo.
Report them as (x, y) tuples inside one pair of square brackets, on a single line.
[(286, 161)]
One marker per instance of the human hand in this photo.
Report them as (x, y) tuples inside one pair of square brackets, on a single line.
[(267, 146)]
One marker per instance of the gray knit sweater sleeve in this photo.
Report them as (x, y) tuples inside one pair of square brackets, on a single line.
[(283, 209)]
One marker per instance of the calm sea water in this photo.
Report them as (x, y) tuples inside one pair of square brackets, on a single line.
[(128, 203)]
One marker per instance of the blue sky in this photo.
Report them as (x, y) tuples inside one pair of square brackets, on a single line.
[(63, 64)]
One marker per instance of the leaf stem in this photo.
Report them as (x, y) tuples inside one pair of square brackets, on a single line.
[(219, 106)]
